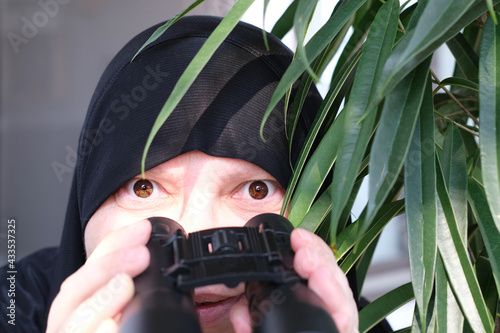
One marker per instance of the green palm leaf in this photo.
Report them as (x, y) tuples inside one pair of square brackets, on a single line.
[(167, 25), (489, 98), (456, 262), (489, 231), (440, 21), (391, 142), (449, 316), (467, 60), (314, 47), (355, 134), (421, 210), (196, 66), (383, 306), (334, 94)]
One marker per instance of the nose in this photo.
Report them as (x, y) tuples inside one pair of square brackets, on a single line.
[(198, 212)]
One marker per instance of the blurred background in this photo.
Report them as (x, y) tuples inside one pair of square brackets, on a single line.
[(52, 53)]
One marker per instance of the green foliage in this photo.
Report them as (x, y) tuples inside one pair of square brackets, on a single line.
[(388, 116)]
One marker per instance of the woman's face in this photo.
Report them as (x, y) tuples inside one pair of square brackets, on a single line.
[(199, 192)]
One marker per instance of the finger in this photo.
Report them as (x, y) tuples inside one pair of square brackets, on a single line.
[(337, 297), (240, 317), (104, 304), (92, 276), (311, 252), (135, 234), (315, 261)]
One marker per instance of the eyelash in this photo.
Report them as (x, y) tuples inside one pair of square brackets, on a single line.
[(271, 188), (129, 187), (243, 191)]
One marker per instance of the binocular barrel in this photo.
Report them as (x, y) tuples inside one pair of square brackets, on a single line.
[(279, 301), (157, 306)]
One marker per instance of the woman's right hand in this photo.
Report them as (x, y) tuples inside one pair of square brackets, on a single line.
[(92, 299)]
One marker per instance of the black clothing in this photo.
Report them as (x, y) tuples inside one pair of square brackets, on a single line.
[(220, 116), (30, 292)]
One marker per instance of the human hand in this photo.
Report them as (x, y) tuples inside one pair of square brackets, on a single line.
[(91, 299), (315, 261)]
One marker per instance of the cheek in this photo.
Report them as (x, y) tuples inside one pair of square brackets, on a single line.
[(106, 219)]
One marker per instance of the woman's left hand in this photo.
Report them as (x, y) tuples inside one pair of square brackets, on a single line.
[(315, 261)]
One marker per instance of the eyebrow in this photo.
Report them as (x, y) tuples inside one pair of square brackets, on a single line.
[(238, 171), (244, 172), (158, 173)]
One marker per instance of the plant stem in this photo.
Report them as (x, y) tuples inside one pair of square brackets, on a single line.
[(465, 128), (455, 99)]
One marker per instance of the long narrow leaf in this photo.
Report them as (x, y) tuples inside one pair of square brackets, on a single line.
[(457, 82), (195, 67), (449, 316), (454, 168), (319, 65), (314, 47), (318, 212), (489, 232), (302, 18), (264, 32), (360, 26), (392, 139), (322, 208), (285, 22), (430, 324), (355, 134), (167, 25), (458, 267), (492, 11), (376, 311), (440, 21), (467, 60), (316, 170), (420, 207), (323, 112), (391, 210), (489, 131), (488, 282)]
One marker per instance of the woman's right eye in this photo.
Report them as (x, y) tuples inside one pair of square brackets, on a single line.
[(142, 188)]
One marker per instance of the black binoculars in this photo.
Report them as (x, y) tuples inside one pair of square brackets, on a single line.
[(258, 254)]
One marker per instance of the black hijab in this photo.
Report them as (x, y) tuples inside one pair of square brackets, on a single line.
[(220, 116)]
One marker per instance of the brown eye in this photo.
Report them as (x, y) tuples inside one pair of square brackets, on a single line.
[(143, 188), (258, 190)]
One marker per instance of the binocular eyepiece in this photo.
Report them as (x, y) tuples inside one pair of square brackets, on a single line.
[(258, 254)]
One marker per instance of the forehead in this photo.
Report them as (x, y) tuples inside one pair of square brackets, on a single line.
[(192, 165)]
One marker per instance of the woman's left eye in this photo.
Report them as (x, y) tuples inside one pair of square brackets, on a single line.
[(142, 188), (258, 189)]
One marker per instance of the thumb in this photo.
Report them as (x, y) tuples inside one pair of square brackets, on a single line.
[(240, 317)]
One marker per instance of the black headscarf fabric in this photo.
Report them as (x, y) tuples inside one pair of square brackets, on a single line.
[(220, 116)]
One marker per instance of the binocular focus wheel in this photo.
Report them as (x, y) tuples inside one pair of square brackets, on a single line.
[(163, 226), (269, 220)]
